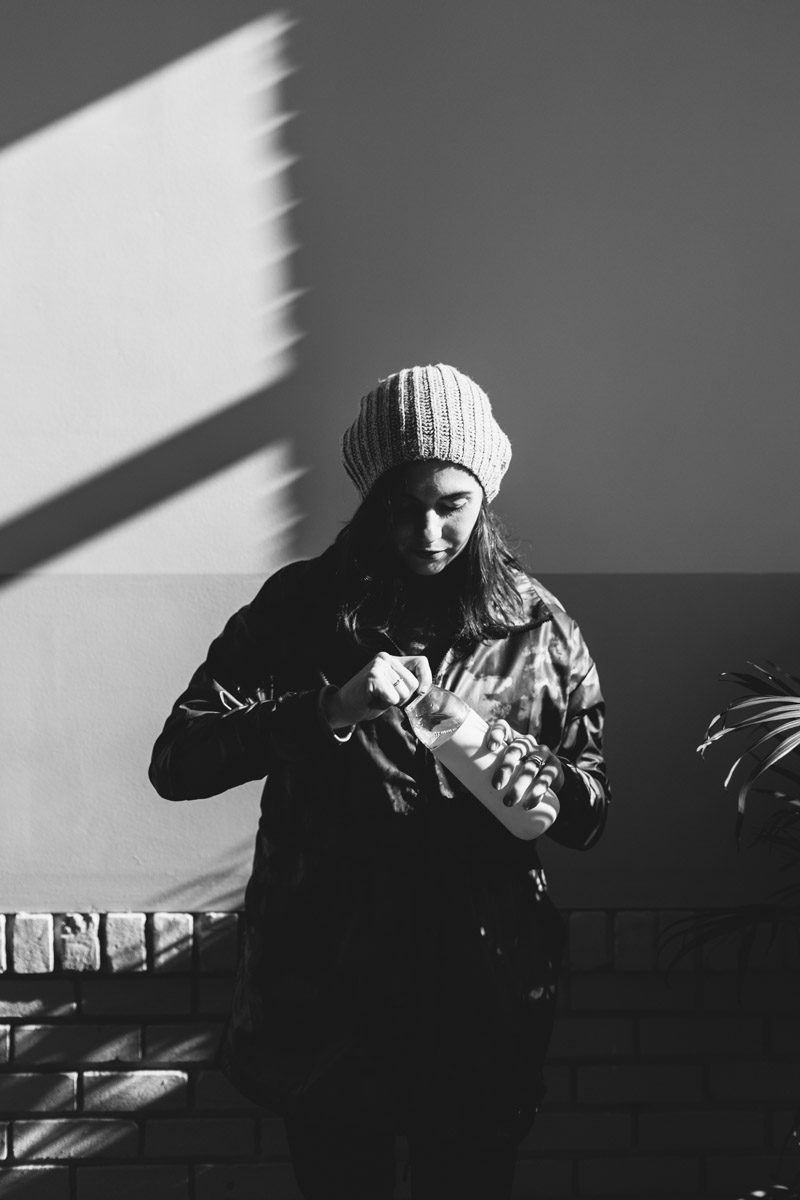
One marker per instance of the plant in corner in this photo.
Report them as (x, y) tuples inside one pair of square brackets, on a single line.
[(768, 709)]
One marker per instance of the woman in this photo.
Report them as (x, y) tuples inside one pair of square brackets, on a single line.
[(400, 952)]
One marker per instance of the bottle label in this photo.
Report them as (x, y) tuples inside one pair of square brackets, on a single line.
[(467, 756), (431, 726)]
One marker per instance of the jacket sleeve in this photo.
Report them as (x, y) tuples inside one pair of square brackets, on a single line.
[(585, 795), (228, 727)]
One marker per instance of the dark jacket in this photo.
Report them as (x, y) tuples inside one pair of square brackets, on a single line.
[(398, 941)]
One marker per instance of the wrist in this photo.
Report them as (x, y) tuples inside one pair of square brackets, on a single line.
[(331, 708)]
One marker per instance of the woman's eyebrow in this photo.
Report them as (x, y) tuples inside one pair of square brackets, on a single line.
[(449, 496)]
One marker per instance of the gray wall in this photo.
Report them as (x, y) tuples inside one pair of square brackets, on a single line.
[(591, 209)]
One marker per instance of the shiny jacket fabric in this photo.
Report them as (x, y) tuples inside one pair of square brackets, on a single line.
[(400, 951)]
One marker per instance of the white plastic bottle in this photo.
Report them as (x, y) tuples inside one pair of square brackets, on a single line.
[(456, 735)]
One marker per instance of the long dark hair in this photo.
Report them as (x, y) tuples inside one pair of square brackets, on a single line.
[(375, 590)]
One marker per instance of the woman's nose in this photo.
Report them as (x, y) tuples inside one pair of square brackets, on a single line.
[(432, 527)]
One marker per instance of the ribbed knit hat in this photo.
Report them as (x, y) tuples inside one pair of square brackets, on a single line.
[(421, 413)]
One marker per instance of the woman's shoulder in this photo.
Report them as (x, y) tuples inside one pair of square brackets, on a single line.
[(550, 621), (539, 603)]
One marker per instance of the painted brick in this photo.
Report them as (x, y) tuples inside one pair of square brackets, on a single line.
[(578, 1131), (541, 1177), (3, 1140), (558, 1082), (171, 937), (632, 992), (720, 956), (25, 999), (786, 1131), (716, 1129), (125, 944), (213, 1090), (784, 1036), (214, 995), (32, 941), (38, 1092), (126, 1091), (143, 998), (592, 1037), (701, 1035), (634, 941), (182, 1043), (272, 1138), (35, 1183), (753, 1081), (639, 1177), (5, 1043), (768, 953), (200, 1137), (217, 940), (760, 992), (77, 941), (67, 1139), (666, 950), (740, 1174), (639, 1083), (73, 1044), (251, 1181), (3, 962), (402, 1186), (133, 1182), (562, 995), (588, 941)]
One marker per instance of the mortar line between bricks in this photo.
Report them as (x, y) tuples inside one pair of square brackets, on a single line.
[(101, 933), (149, 937)]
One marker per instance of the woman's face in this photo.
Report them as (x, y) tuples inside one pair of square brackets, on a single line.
[(434, 512)]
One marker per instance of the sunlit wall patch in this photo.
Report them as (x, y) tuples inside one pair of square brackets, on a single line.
[(145, 250)]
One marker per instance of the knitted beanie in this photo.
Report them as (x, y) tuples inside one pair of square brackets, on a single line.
[(422, 413)]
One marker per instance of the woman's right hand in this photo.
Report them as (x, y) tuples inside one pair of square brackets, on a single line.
[(386, 680)]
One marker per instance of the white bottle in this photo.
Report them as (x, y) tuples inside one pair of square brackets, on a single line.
[(456, 735)]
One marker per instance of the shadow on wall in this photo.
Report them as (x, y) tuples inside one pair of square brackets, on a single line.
[(147, 334), (221, 888), (145, 479), (150, 284)]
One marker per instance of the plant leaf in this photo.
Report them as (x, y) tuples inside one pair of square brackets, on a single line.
[(753, 683)]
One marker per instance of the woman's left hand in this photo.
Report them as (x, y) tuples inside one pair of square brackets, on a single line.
[(522, 761)]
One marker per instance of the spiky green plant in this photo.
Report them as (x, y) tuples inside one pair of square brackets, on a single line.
[(769, 708)]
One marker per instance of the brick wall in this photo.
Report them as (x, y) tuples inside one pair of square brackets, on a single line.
[(658, 1087)]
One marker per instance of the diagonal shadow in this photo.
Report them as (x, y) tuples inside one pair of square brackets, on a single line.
[(80, 52), (148, 477)]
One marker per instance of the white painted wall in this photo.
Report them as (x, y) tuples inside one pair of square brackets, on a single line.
[(588, 205), (144, 254)]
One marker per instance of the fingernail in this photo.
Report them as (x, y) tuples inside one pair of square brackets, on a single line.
[(501, 778)]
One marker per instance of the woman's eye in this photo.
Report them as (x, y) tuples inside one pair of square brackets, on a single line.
[(456, 507)]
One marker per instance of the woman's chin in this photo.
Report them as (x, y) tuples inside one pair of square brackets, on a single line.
[(421, 564)]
